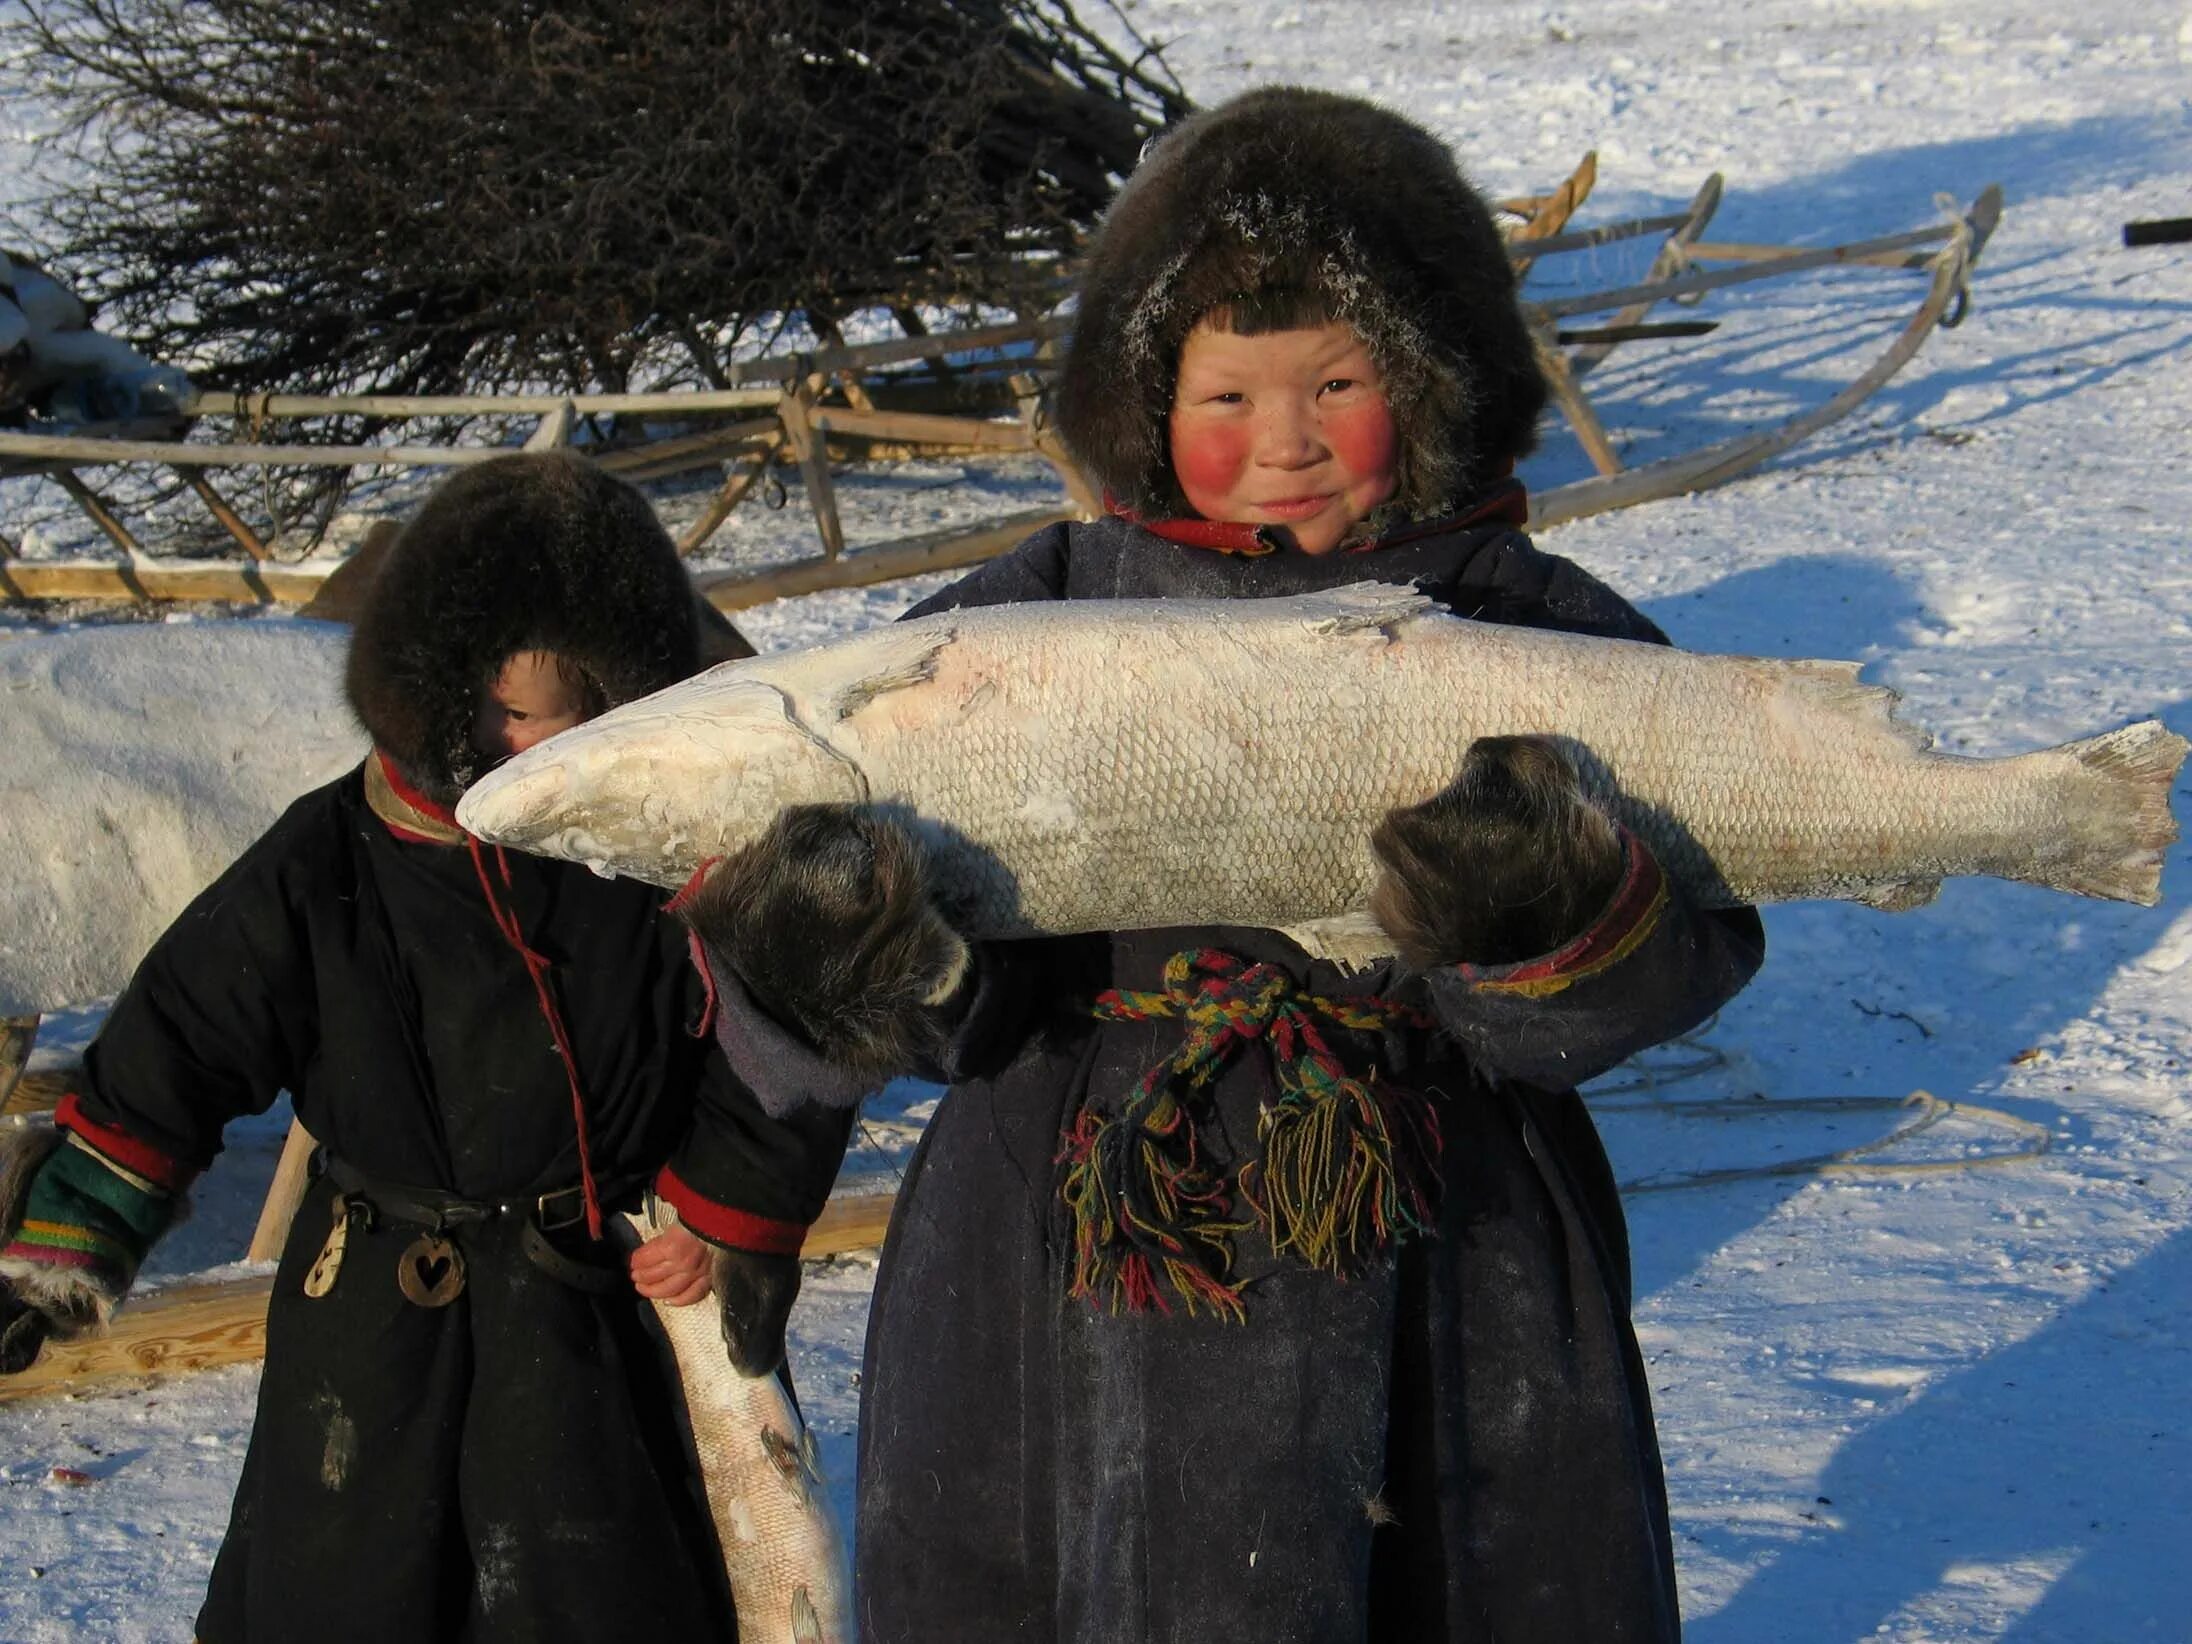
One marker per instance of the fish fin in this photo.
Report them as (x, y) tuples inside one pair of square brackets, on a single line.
[(806, 1623), (903, 657), (2121, 781), (1353, 941), (1835, 687), (1899, 896), (1361, 605)]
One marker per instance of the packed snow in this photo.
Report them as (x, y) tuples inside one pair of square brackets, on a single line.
[(1941, 1389)]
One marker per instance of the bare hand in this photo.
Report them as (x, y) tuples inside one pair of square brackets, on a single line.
[(674, 1267)]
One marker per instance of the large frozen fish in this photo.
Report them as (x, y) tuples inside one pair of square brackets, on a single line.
[(780, 1546), (1127, 764)]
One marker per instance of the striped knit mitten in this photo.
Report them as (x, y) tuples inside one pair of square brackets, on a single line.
[(73, 1229)]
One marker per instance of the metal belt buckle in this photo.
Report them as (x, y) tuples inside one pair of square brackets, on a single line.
[(548, 1221)]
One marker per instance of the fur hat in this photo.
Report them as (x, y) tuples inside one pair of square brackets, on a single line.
[(526, 552), (1325, 204)]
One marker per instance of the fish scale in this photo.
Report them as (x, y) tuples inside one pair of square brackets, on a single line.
[(1107, 765)]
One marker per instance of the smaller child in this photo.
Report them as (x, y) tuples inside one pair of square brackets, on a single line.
[(466, 1428)]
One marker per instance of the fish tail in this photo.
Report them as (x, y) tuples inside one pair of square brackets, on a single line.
[(2120, 783)]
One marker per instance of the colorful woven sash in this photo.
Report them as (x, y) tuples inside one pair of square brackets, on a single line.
[(1348, 1161)]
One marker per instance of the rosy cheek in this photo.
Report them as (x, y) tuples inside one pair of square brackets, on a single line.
[(1208, 461), (1365, 442)]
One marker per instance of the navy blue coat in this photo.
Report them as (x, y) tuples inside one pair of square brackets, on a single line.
[(1455, 1443)]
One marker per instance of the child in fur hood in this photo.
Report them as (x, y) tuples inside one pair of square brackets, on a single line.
[(1230, 1295), (465, 1427)]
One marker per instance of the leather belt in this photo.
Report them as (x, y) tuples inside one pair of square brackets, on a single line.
[(439, 1211)]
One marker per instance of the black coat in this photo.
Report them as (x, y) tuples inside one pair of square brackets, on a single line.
[(1454, 1444), (502, 1467)]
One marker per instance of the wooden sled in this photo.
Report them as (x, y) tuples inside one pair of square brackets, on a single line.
[(805, 411), (1677, 273), (800, 412)]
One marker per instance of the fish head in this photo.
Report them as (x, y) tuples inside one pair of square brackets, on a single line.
[(658, 786)]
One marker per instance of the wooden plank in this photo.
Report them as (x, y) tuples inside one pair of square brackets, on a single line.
[(1576, 408), (261, 408), (1546, 214), (1683, 285), (231, 521), (937, 551), (728, 590), (1741, 251), (1551, 212), (185, 1327), (183, 454), (166, 579), (17, 1034), (283, 1195), (921, 428), (88, 500), (714, 445), (732, 493), (554, 430), (795, 411), (203, 1326), (1582, 239), (755, 383), (1671, 260), (38, 1092)]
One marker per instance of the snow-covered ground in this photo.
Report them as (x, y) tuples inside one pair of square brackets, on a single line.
[(1933, 1406)]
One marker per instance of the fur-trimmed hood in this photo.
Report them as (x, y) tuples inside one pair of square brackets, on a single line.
[(1286, 189), (526, 552)]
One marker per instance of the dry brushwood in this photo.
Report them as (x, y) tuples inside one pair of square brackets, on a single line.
[(400, 196)]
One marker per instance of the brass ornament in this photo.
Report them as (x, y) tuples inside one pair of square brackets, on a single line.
[(430, 1272)]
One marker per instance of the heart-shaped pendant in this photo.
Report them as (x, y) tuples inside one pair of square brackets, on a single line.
[(430, 1272)]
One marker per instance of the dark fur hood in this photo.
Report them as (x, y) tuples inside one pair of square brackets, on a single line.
[(1285, 189), (525, 552)]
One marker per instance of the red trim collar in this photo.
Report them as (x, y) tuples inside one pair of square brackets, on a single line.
[(411, 795), (1506, 503)]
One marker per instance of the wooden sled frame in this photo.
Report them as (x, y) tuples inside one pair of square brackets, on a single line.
[(786, 410), (1676, 274), (798, 410)]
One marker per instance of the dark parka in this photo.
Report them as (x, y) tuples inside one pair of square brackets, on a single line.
[(1455, 1442), (503, 1467)]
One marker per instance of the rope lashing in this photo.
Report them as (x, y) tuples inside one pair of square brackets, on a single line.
[(1349, 1162)]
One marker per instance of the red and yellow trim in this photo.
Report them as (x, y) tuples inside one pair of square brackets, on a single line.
[(1629, 920), (721, 1224), (1506, 503), (405, 811)]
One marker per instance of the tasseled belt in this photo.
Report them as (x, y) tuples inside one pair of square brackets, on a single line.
[(1348, 1160)]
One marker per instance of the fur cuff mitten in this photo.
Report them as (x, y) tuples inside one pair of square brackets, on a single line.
[(1508, 863), (755, 1293), (73, 1231), (829, 922)]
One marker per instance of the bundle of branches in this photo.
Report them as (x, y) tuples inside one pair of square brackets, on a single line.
[(410, 196)]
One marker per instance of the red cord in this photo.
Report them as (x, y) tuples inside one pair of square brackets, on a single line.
[(537, 968)]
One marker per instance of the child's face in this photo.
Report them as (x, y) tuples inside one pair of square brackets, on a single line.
[(528, 702), (1286, 428)]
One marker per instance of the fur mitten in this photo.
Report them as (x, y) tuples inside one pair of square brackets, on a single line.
[(756, 1293), (829, 921), (1509, 862), (73, 1231)]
